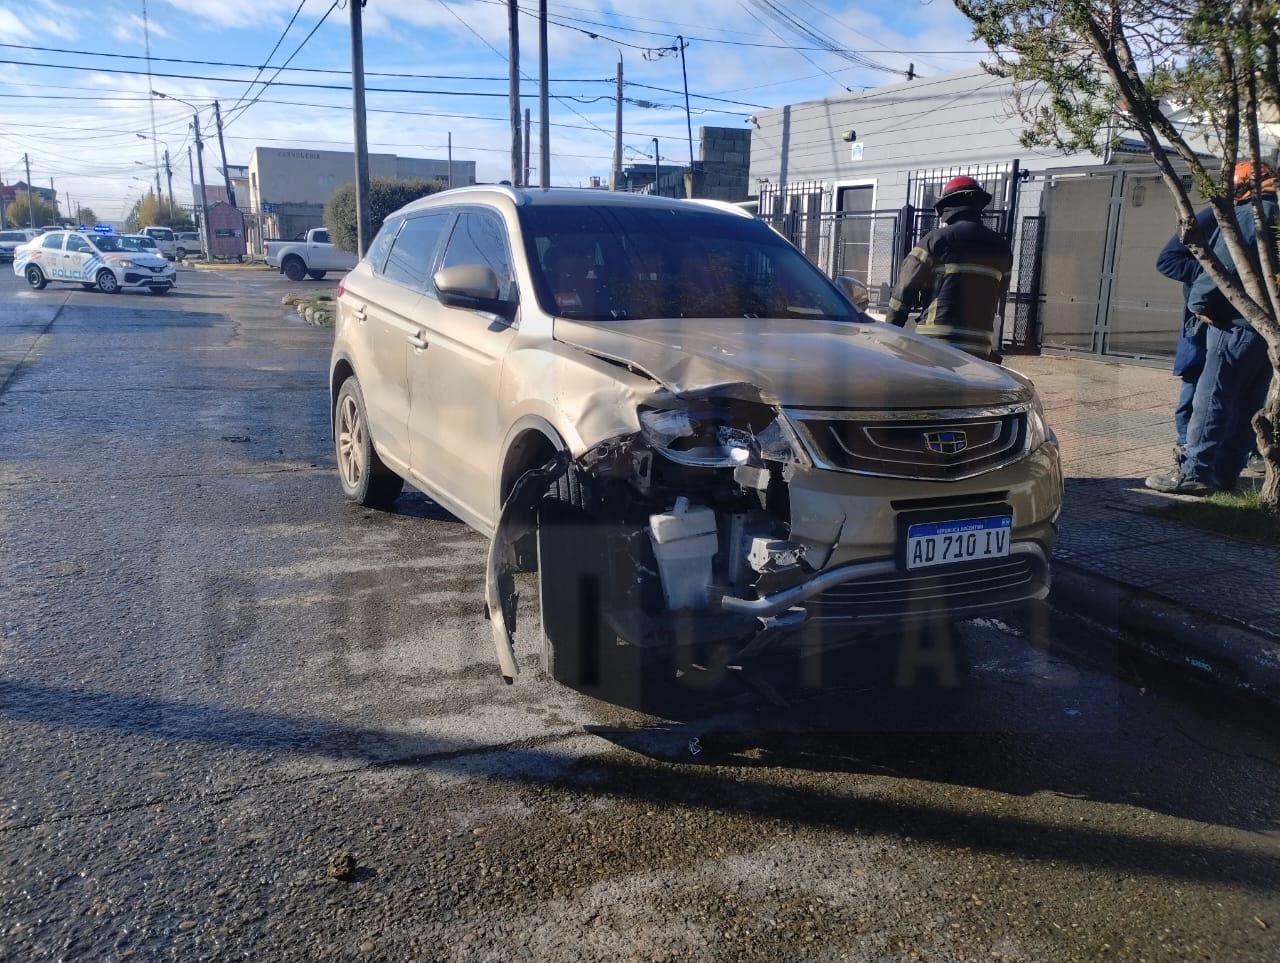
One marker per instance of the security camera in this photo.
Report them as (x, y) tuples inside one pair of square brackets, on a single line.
[(849, 136), (753, 120)]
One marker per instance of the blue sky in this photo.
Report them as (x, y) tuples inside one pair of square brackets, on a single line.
[(74, 79)]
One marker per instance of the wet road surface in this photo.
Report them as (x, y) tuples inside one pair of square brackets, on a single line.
[(242, 718)]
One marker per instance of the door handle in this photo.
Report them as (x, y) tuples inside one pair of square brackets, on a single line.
[(360, 314), (419, 343)]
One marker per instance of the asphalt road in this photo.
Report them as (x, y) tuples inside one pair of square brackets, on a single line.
[(221, 686)]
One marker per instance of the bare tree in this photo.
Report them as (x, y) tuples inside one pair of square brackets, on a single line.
[(1085, 72)]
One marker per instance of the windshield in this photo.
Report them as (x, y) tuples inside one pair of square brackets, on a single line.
[(143, 244), (613, 263)]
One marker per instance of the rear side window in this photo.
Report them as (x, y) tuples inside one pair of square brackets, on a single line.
[(76, 243), (414, 249), (52, 242), (320, 237), (381, 245)]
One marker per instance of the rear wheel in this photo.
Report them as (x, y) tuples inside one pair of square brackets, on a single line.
[(365, 479), (316, 275), (107, 282), (293, 268), (35, 277), (181, 254)]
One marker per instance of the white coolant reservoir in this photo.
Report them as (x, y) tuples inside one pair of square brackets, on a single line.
[(684, 543)]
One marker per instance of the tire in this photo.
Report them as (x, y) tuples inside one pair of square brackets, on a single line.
[(165, 290), (88, 285), (316, 275), (364, 478), (35, 277), (293, 268), (107, 282), (181, 254), (577, 587)]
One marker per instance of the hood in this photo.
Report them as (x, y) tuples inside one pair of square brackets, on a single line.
[(144, 258), (798, 363)]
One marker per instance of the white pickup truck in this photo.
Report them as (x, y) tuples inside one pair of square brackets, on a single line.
[(311, 257)]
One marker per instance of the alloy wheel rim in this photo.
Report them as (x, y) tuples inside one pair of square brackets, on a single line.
[(350, 443)]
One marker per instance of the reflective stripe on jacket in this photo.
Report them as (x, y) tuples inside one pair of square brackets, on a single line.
[(960, 273)]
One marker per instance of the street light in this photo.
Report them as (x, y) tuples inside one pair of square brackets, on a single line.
[(207, 235), (168, 171)]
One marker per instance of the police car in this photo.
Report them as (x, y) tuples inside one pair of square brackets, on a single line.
[(109, 262)]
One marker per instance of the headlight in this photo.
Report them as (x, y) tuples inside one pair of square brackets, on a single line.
[(709, 437), (1037, 428), (126, 263)]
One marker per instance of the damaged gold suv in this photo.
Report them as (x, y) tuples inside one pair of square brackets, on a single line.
[(690, 433)]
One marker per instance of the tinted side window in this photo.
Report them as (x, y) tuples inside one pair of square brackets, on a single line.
[(377, 255), (481, 239), (52, 242), (76, 243), (320, 237), (414, 249)]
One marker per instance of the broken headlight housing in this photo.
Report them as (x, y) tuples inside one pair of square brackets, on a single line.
[(716, 436)]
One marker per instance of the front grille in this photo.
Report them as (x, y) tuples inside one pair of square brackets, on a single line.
[(906, 594), (920, 447)]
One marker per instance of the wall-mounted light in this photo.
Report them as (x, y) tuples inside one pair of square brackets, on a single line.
[(754, 121), (849, 136)]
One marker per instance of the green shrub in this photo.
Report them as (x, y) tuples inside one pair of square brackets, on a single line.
[(386, 195)]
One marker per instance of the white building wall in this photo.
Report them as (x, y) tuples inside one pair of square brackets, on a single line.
[(955, 120), (300, 176)]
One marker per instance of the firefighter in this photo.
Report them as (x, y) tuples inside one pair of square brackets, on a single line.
[(959, 273)]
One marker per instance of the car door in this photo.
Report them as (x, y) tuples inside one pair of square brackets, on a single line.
[(76, 256), (387, 310), (454, 425)]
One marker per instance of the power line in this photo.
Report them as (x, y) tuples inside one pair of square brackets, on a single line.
[(279, 41), (233, 118)]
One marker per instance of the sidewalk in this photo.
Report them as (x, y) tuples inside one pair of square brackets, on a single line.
[(1206, 603)]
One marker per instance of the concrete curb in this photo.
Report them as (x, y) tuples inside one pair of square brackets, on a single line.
[(1189, 641)]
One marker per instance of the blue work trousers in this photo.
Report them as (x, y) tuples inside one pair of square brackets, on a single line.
[(1229, 392), (1186, 402)]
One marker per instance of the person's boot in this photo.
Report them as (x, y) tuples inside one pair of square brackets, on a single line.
[(1176, 483)]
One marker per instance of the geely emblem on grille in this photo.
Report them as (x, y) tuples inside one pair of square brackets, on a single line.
[(945, 442)]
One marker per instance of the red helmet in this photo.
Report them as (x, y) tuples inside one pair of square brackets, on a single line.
[(962, 191), (1242, 179)]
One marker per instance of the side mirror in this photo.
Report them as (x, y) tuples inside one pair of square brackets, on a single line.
[(855, 292), (472, 286)]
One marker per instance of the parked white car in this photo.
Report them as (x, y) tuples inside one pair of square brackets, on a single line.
[(109, 262), (13, 238)]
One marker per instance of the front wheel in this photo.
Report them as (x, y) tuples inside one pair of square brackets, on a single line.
[(36, 278), (88, 285), (365, 479), (107, 282), (181, 254), (294, 269)]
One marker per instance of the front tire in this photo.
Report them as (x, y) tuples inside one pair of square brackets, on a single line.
[(181, 254), (107, 282), (160, 290), (364, 478), (35, 277), (293, 268)]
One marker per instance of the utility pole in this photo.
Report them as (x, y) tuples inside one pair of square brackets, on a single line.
[(191, 176), (655, 168), (528, 139), (53, 198), (2, 223), (222, 149), (449, 155), (31, 211), (168, 172), (688, 118), (617, 133), (361, 134), (205, 233), (544, 101), (513, 88)]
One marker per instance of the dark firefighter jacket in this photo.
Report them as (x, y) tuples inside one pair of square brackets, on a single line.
[(959, 272)]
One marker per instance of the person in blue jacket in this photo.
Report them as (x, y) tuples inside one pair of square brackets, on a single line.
[(1176, 262), (1237, 372)]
